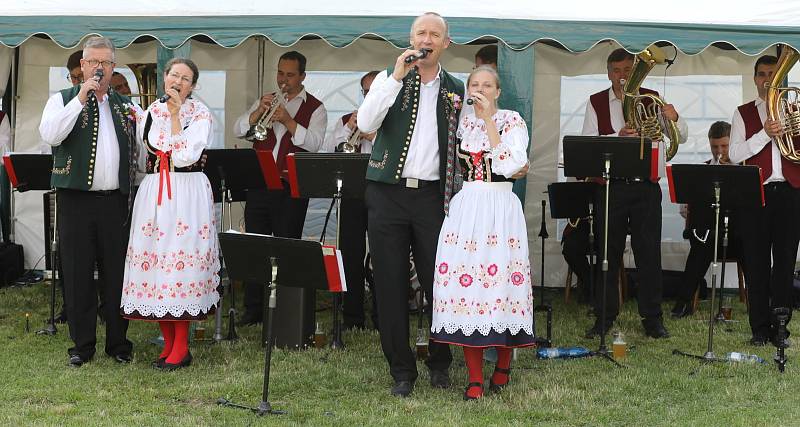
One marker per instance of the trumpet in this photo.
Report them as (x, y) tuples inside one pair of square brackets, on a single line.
[(258, 131), (353, 144)]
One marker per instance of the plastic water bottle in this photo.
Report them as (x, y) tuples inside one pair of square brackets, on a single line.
[(562, 352), (735, 356)]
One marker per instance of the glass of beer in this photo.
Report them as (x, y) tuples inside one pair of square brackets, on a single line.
[(727, 308), (618, 347)]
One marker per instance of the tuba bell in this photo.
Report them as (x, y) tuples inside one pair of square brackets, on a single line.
[(645, 116), (146, 80), (783, 105)]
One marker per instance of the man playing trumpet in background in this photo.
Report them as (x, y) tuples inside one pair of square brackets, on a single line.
[(297, 123), (346, 137)]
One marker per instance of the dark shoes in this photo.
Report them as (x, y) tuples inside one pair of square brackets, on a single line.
[(597, 329), (187, 360), (440, 379), (497, 388), (123, 358), (402, 388), (76, 361), (654, 328), (682, 309), (159, 363), (758, 340), (477, 396)]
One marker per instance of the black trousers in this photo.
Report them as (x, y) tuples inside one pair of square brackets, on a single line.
[(771, 231), (634, 207), (278, 214), (353, 244), (92, 227), (401, 218), (701, 255), (575, 243)]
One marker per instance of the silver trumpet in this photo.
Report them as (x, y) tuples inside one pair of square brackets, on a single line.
[(353, 144), (258, 132)]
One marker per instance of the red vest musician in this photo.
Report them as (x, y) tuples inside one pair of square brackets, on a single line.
[(634, 204), (300, 126), (771, 238)]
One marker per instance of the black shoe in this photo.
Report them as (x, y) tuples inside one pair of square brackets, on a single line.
[(61, 317), (123, 358), (76, 361), (186, 361), (758, 340), (249, 319), (654, 328), (497, 388), (469, 386), (440, 379), (159, 363), (681, 309), (597, 329), (402, 388)]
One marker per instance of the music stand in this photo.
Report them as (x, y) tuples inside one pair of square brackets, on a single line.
[(29, 172), (723, 187), (609, 157), (231, 173), (273, 261), (326, 175), (575, 200)]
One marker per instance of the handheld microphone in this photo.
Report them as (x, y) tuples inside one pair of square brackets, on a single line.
[(165, 97), (98, 75), (422, 54), (470, 101)]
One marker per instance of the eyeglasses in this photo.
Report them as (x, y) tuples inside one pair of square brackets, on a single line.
[(95, 62), (185, 79), (75, 78)]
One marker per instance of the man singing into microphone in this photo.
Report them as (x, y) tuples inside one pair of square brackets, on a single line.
[(414, 107), (90, 130)]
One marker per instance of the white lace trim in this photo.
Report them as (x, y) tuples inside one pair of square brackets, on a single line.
[(174, 310), (483, 328)]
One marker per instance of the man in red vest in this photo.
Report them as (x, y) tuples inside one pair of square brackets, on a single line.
[(770, 241), (300, 126), (634, 204)]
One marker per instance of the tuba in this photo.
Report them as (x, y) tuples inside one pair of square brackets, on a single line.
[(146, 80), (258, 132), (644, 117), (783, 105)]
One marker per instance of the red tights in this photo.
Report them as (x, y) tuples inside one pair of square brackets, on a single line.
[(176, 340), (473, 356)]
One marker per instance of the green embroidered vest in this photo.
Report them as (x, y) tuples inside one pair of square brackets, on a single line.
[(394, 136), (74, 158)]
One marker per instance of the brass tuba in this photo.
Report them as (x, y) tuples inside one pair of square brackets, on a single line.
[(645, 117), (146, 80), (783, 105)]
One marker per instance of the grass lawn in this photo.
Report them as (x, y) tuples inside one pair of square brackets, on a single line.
[(351, 387)]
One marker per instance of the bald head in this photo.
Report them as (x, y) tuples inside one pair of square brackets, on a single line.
[(431, 18)]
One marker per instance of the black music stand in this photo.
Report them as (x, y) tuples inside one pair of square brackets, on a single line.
[(546, 307), (724, 188), (231, 173), (576, 200), (273, 261), (325, 175), (29, 172), (609, 157)]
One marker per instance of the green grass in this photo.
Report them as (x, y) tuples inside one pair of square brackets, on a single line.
[(320, 387)]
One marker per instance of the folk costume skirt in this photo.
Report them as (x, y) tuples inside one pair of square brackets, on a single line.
[(172, 262), (482, 292)]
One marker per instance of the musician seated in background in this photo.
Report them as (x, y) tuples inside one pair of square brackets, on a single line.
[(346, 137), (486, 55), (634, 204), (120, 84), (699, 229), (74, 73), (771, 237), (297, 123)]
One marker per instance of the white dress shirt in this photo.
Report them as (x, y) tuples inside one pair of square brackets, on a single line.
[(58, 120), (309, 139), (341, 133), (741, 149), (422, 161), (5, 136), (591, 127)]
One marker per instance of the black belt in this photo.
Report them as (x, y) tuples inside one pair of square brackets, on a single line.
[(104, 193), (416, 183), (634, 180)]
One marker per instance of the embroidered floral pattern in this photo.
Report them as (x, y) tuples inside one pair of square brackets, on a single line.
[(66, 169), (443, 268), (451, 238), (181, 228)]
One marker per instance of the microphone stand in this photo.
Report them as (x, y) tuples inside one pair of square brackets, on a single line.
[(336, 341), (543, 306), (232, 335)]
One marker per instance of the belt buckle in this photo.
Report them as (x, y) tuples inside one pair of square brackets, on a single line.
[(412, 183)]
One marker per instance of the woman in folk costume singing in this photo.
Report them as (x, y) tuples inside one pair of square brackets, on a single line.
[(482, 290), (172, 265)]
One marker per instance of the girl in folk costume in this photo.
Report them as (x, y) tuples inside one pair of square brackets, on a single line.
[(171, 268), (482, 289)]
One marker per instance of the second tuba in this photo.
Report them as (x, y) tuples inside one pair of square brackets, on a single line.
[(645, 116), (783, 105), (146, 80)]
